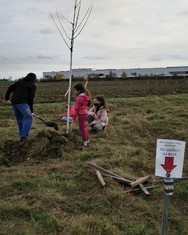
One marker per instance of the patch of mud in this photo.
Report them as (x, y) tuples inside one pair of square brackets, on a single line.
[(47, 144)]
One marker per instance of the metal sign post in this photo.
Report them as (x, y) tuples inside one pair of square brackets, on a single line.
[(169, 165), (168, 191)]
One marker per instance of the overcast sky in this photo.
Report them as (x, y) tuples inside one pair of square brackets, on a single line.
[(118, 34)]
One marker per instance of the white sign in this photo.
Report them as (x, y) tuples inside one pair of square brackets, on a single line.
[(169, 158)]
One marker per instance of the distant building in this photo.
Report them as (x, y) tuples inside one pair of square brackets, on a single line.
[(181, 71)]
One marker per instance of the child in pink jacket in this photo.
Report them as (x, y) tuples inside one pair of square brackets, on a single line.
[(83, 100)]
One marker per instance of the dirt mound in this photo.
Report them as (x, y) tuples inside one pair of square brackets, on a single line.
[(47, 144)]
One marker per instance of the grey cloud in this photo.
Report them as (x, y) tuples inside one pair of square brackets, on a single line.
[(94, 58), (42, 57), (26, 59), (48, 57), (4, 20), (178, 57), (46, 31), (119, 23), (156, 58), (168, 56)]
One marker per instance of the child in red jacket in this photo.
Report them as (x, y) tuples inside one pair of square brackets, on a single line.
[(63, 116), (83, 100)]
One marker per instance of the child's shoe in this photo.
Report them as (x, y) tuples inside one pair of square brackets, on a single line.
[(85, 143)]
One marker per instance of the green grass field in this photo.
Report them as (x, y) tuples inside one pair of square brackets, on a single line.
[(60, 196)]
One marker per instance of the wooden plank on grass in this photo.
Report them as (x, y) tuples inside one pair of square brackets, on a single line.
[(139, 181), (100, 178), (109, 173), (133, 190), (144, 189)]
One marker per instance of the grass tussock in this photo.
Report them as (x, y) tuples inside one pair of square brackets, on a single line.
[(60, 196)]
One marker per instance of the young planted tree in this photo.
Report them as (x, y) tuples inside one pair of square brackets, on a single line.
[(124, 75), (69, 31)]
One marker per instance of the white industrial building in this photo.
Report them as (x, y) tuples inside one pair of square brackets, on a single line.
[(131, 73)]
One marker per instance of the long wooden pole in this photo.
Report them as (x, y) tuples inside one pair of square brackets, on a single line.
[(69, 91), (70, 74)]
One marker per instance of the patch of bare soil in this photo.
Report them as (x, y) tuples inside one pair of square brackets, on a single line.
[(47, 144)]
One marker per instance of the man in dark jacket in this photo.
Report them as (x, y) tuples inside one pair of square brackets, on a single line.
[(21, 95)]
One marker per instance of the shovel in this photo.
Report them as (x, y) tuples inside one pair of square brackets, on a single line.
[(49, 124)]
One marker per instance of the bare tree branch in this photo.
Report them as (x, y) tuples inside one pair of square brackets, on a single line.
[(88, 14), (67, 22), (59, 31), (77, 3), (85, 16), (62, 26), (78, 14)]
